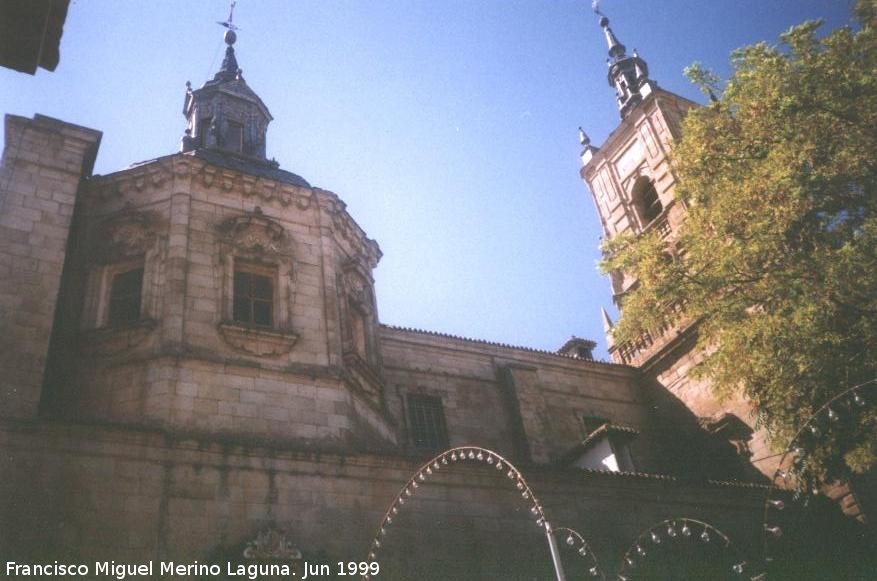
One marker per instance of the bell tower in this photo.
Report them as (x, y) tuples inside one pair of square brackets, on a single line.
[(629, 176)]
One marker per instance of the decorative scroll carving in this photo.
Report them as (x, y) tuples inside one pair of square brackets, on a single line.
[(128, 235), (272, 545), (254, 233), (256, 341)]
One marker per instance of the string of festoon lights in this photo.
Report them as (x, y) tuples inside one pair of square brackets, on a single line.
[(574, 540), (845, 406), (650, 542), (442, 462)]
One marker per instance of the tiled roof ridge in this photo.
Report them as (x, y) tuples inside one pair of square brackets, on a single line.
[(670, 478), (495, 344)]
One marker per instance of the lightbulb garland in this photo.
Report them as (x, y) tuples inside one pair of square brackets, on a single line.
[(821, 423), (441, 462), (651, 541), (573, 539)]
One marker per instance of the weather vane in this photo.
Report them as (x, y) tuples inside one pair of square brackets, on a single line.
[(228, 23), (595, 6)]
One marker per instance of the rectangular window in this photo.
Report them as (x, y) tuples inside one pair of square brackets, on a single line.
[(235, 136), (125, 296), (253, 298), (203, 128), (427, 419)]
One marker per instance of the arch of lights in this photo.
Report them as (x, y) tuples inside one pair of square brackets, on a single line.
[(577, 542), (649, 542), (477, 455), (849, 403)]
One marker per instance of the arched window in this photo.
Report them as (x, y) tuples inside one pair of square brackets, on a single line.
[(645, 200)]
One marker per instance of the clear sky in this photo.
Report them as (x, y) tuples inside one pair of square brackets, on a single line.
[(449, 127)]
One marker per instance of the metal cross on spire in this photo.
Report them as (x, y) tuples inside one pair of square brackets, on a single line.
[(228, 23)]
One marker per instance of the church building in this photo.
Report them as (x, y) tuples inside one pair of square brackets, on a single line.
[(194, 370)]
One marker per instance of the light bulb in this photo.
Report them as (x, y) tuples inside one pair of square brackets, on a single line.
[(490, 459), (814, 429), (480, 456), (859, 400), (401, 500), (454, 457), (520, 485), (436, 465), (570, 540), (640, 551), (594, 571), (534, 510), (671, 532), (738, 568), (686, 532), (499, 465), (525, 494), (511, 474), (774, 530), (394, 510), (630, 562), (377, 544), (777, 504), (583, 551), (407, 492), (832, 415), (705, 536), (429, 470), (471, 455), (445, 460), (383, 531), (421, 477), (415, 485)]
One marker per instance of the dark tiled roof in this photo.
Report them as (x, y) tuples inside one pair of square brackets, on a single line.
[(605, 430), (251, 166)]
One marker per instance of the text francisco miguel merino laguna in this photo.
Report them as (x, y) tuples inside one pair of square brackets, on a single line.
[(121, 571)]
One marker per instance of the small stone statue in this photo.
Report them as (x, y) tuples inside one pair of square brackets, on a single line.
[(187, 142)]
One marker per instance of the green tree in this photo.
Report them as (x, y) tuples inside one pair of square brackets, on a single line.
[(777, 259)]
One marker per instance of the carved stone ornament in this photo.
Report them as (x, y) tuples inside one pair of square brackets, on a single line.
[(254, 233), (258, 341), (125, 236), (271, 545)]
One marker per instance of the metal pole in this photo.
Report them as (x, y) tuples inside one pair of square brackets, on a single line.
[(555, 553)]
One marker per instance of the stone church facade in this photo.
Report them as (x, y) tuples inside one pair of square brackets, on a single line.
[(192, 356)]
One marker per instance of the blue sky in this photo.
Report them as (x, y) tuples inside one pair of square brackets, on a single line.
[(449, 127)]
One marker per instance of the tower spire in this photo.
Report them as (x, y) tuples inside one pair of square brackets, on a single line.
[(229, 68), (628, 74)]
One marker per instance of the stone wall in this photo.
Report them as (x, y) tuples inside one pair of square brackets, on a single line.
[(43, 162), (84, 493)]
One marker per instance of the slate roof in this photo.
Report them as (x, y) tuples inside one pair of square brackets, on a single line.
[(255, 167)]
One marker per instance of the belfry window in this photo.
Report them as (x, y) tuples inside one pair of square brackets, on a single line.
[(427, 422), (253, 298), (235, 140), (646, 201), (125, 297), (203, 129)]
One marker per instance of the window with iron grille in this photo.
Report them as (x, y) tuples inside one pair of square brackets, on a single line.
[(125, 294), (253, 298), (427, 421)]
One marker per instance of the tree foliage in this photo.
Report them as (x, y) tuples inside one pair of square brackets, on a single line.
[(777, 258)]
